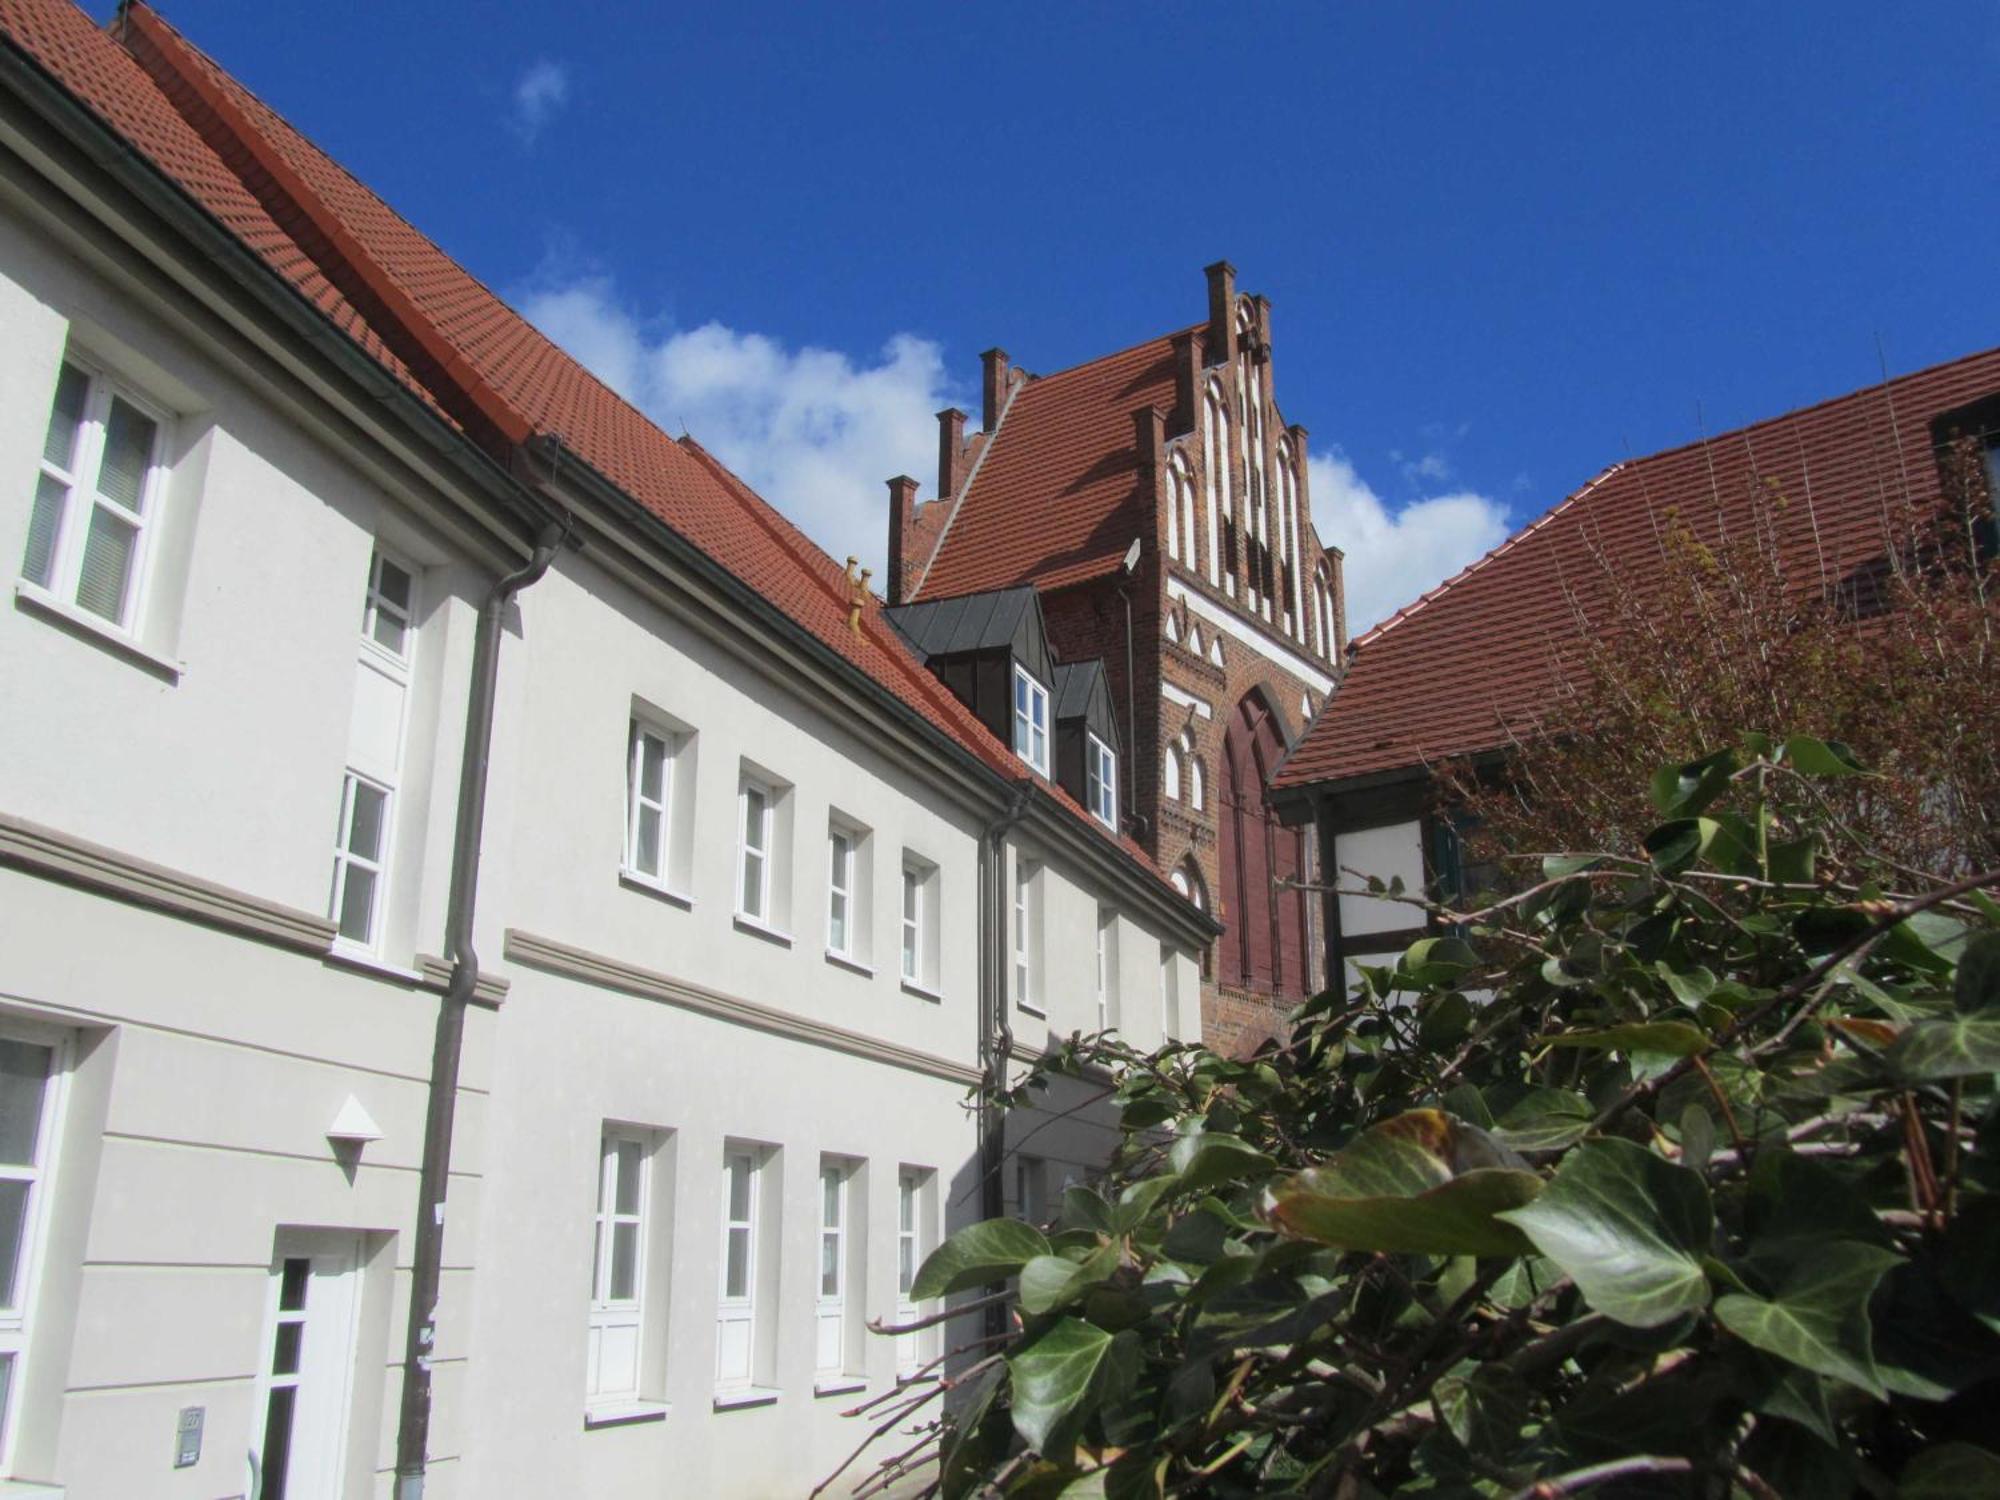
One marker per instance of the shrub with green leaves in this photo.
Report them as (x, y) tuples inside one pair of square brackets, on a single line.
[(1672, 1174)]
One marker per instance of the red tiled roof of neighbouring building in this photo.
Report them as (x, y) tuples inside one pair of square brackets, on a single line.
[(1470, 666), (319, 227), (1056, 498)]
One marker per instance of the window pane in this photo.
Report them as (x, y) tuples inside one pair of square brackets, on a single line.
[(43, 524), (736, 1278), (753, 883), (754, 806), (624, 1261), (107, 564), (292, 1286), (829, 1265), (829, 1198), (389, 631), (836, 922), (392, 583), (906, 1265), (909, 950), (285, 1357), (277, 1441), (652, 767), (909, 895), (364, 829), (13, 1232), (128, 451), (72, 390), (647, 856), (628, 1155), (357, 904), (906, 1206), (24, 1074), (739, 1189)]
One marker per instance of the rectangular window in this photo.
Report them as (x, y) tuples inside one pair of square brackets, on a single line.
[(836, 1252), (97, 496), (913, 923), (649, 792), (1107, 969), (736, 1316), (1031, 1189), (1100, 781), (912, 1243), (1027, 921), (1031, 720), (358, 859), (1170, 995), (840, 891), (31, 1068), (363, 835), (386, 617), (753, 886), (618, 1267)]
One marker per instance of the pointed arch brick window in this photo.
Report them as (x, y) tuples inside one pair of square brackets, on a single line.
[(1263, 944)]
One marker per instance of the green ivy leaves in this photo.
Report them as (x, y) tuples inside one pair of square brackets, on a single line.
[(1819, 1317), (1630, 1229)]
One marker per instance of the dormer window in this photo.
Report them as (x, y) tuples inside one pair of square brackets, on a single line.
[(1100, 768), (1031, 720)]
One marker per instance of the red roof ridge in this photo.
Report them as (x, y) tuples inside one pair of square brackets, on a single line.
[(409, 321), (1492, 554)]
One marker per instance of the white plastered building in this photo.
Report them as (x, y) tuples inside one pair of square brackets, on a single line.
[(701, 884)]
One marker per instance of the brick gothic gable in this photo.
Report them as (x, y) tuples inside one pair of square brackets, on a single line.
[(1237, 617)]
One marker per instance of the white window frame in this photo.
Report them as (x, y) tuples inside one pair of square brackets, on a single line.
[(329, 1320), (1100, 780), (842, 905), (1027, 968), (762, 851), (377, 603), (739, 1308), (18, 1303), (80, 499), (912, 921), (637, 803), (610, 1314), (345, 860), (1107, 969), (1170, 998), (1031, 719), (910, 1248), (830, 1307)]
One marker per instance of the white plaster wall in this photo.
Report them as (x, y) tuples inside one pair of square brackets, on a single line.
[(1386, 853), (232, 772)]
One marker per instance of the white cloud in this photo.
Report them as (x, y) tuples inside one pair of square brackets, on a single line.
[(816, 433), (541, 91), (813, 431), (1393, 556)]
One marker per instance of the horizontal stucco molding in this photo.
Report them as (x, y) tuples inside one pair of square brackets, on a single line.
[(124, 877), (594, 968)]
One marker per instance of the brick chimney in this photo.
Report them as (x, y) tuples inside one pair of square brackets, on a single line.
[(951, 451), (1187, 379), (1221, 312), (902, 515), (993, 388)]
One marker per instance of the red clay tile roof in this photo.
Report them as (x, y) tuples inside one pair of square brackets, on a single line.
[(180, 110), (1057, 499), (1469, 666)]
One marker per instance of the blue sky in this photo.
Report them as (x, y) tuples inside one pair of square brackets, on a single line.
[(1505, 246)]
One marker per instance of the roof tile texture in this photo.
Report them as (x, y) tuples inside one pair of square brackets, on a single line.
[(1469, 666)]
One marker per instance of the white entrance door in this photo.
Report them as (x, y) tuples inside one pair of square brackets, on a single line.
[(308, 1369)]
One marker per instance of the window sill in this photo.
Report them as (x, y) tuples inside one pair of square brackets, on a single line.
[(761, 929), (1027, 1009), (842, 960), (659, 890), (624, 1413), (81, 622), (367, 963), (749, 1395), (922, 992), (839, 1385)]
